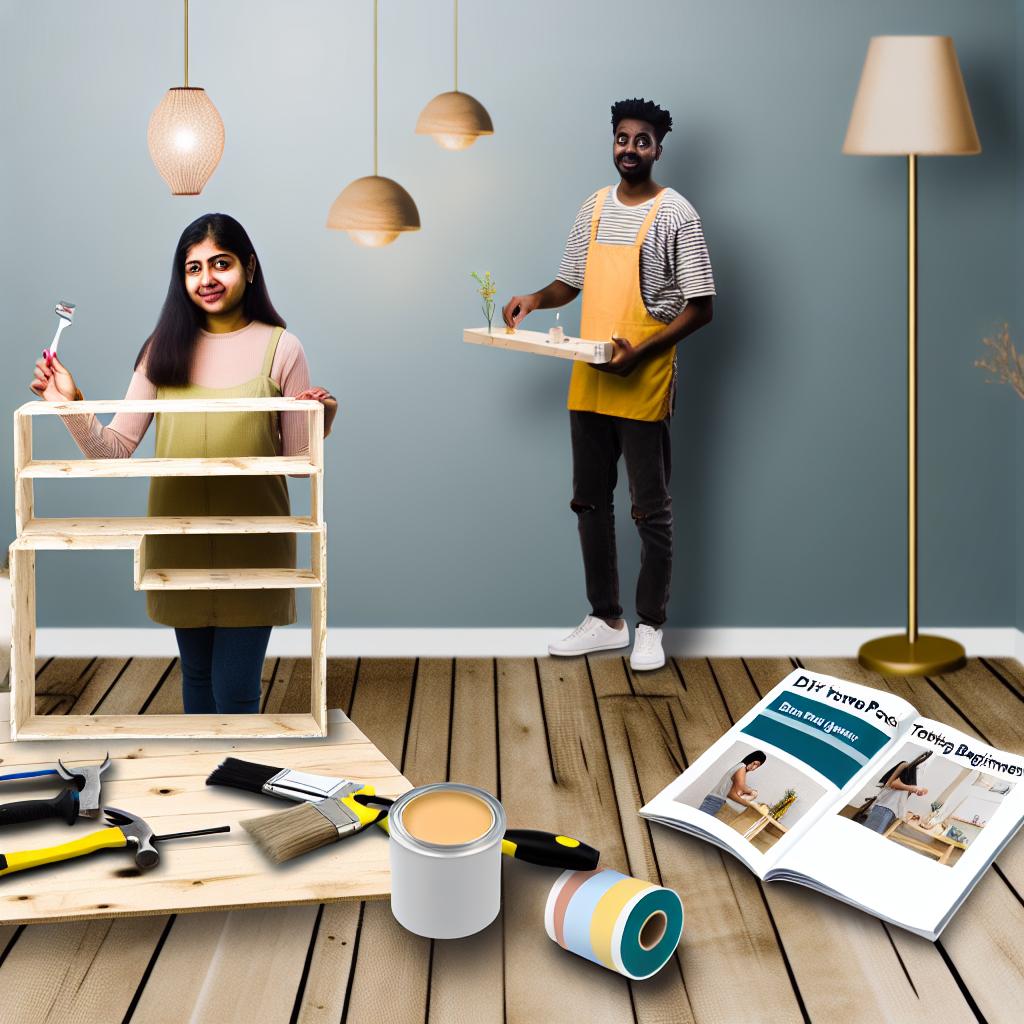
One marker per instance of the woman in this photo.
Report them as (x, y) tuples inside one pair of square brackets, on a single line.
[(734, 784), (897, 785), (218, 336)]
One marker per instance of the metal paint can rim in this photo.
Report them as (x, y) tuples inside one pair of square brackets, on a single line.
[(403, 837)]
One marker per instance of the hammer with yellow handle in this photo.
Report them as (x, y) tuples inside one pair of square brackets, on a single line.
[(125, 830)]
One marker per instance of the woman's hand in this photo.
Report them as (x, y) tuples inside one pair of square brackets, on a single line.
[(327, 400), (52, 381)]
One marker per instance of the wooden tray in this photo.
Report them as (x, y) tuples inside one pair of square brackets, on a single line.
[(164, 782), (537, 343)]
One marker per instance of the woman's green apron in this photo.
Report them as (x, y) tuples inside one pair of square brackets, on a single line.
[(220, 435)]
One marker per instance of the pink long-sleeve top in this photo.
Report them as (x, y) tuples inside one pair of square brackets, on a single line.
[(220, 361)]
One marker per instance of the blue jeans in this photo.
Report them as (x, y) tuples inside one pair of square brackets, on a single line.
[(221, 668), (711, 804), (879, 818)]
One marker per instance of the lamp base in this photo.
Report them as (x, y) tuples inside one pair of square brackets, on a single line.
[(897, 656)]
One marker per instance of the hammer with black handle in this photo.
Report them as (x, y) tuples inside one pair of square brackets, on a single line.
[(80, 799)]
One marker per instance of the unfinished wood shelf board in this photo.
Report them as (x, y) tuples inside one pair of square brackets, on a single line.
[(129, 533), (88, 528), (65, 469), (228, 579), (164, 782), (537, 342)]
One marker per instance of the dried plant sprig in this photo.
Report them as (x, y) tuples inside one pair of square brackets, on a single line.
[(1004, 362), (487, 290)]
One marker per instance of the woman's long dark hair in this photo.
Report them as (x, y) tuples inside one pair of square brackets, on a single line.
[(909, 774), (168, 351)]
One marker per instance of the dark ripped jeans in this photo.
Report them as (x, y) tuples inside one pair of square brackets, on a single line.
[(597, 443)]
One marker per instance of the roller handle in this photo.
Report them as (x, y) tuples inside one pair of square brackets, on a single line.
[(535, 847), (549, 850), (64, 806), (20, 860)]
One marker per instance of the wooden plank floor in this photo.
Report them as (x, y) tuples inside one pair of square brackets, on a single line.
[(567, 745)]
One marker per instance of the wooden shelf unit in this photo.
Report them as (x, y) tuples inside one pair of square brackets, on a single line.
[(129, 533)]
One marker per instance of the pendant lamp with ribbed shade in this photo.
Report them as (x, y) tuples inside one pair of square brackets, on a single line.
[(186, 135), (455, 119), (374, 210)]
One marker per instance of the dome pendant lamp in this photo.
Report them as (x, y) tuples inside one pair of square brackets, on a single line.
[(186, 136), (374, 210), (455, 119)]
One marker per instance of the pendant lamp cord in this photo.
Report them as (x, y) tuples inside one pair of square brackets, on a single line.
[(375, 88), (186, 44), (456, 45)]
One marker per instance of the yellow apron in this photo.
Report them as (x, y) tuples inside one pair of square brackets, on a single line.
[(220, 435), (613, 304)]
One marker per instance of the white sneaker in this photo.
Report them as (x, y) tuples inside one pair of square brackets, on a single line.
[(589, 636), (647, 653)]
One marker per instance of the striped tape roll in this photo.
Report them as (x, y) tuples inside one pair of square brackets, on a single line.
[(622, 923)]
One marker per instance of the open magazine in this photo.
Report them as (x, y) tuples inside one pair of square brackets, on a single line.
[(847, 790)]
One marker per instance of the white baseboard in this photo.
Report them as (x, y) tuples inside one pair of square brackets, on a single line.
[(997, 642)]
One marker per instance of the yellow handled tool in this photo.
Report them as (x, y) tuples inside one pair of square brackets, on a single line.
[(126, 830), (23, 859)]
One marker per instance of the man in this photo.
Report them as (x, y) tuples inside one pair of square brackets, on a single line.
[(637, 252)]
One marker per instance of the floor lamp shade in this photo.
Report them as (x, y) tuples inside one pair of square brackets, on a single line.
[(374, 211), (455, 119), (186, 139), (911, 100)]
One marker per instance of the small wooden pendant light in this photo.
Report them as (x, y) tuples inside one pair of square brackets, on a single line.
[(374, 210), (455, 119)]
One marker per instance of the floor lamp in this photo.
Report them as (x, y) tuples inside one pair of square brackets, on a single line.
[(911, 102)]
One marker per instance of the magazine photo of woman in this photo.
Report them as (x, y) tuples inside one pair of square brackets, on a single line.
[(733, 784), (218, 336), (896, 786)]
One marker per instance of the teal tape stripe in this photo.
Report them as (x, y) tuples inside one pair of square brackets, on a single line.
[(836, 766), (795, 723), (640, 963)]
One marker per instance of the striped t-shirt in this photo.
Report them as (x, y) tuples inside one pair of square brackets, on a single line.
[(674, 261)]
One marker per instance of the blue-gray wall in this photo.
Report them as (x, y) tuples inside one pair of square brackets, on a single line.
[(1018, 463), (449, 474)]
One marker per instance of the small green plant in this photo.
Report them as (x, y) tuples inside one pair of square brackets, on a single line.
[(487, 290), (779, 808)]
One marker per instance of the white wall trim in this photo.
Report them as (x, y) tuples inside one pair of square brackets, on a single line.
[(1002, 642)]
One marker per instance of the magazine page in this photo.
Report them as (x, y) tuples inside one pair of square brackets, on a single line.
[(783, 765), (911, 842)]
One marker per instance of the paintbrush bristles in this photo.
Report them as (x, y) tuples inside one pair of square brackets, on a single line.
[(242, 774), (291, 833)]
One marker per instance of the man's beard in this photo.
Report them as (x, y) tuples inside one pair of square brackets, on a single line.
[(636, 174)]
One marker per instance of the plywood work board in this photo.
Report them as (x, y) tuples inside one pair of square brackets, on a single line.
[(537, 342), (164, 782)]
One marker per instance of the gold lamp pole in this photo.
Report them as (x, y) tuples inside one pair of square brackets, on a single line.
[(911, 102)]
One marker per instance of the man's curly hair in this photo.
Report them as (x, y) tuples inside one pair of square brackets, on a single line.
[(643, 110)]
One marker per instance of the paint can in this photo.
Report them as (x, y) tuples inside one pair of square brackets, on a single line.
[(445, 853), (625, 924)]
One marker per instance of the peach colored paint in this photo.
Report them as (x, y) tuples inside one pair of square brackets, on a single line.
[(447, 817)]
